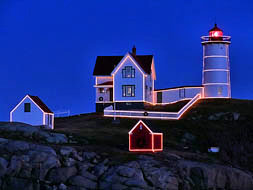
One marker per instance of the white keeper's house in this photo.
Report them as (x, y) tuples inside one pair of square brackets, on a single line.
[(127, 82), (33, 111)]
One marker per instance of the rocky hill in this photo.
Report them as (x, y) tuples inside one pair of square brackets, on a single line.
[(91, 152)]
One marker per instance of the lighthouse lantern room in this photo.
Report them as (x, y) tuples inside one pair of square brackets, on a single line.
[(216, 67)]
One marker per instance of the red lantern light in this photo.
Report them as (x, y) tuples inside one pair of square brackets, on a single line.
[(215, 33)]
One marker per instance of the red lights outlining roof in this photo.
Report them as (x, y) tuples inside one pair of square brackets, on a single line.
[(144, 140)]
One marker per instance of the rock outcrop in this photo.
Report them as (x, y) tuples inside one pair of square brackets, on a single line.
[(24, 165), (47, 161)]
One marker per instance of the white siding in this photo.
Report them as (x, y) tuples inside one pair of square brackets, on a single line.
[(173, 95), (148, 85), (137, 81), (105, 95), (35, 117)]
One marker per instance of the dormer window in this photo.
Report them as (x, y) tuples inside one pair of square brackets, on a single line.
[(128, 72)]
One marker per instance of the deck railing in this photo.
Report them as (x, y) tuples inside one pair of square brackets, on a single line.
[(109, 112)]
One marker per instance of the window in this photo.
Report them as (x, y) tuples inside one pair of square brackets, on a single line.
[(220, 90), (128, 90), (128, 72), (182, 93), (27, 107), (101, 90)]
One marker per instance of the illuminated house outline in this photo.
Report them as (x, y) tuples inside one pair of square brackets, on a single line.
[(33, 111), (112, 85), (150, 141)]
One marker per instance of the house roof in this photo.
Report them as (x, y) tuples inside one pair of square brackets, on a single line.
[(41, 104), (106, 83), (105, 64)]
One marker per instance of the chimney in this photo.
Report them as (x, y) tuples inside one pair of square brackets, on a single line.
[(134, 50)]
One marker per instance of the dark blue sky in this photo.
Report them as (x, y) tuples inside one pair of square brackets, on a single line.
[(48, 48)]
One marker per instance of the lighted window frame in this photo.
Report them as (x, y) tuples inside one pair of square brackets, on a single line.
[(128, 72), (27, 107), (128, 90)]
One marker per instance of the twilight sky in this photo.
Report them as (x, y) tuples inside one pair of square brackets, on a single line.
[(48, 48)]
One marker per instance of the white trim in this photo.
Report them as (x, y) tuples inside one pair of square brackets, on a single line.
[(206, 84), (44, 118), (104, 102), (113, 91), (215, 56), (153, 69), (103, 86), (209, 70), (127, 56), (140, 121), (214, 97), (208, 37), (143, 88), (209, 42), (27, 96), (178, 88)]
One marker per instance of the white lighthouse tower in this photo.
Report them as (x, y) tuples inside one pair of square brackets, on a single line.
[(216, 67)]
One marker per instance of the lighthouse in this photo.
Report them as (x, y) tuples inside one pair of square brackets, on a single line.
[(216, 67)]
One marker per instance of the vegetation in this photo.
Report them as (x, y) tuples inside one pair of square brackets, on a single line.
[(226, 123)]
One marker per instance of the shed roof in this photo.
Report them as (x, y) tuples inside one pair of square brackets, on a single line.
[(149, 124), (41, 104)]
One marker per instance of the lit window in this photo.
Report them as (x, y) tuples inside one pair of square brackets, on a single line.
[(128, 72), (101, 90), (27, 107), (220, 90), (128, 90)]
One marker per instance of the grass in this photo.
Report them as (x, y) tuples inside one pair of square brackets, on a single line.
[(234, 137)]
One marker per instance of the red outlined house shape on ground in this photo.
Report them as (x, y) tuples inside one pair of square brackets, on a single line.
[(142, 139)]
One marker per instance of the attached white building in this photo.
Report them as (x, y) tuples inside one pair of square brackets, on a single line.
[(33, 111), (127, 82), (124, 81)]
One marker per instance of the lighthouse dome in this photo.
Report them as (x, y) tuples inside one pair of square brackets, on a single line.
[(215, 32)]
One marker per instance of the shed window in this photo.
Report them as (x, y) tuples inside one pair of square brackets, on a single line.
[(27, 107), (128, 72)]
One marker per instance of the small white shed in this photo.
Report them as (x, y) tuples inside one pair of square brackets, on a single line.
[(33, 111)]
